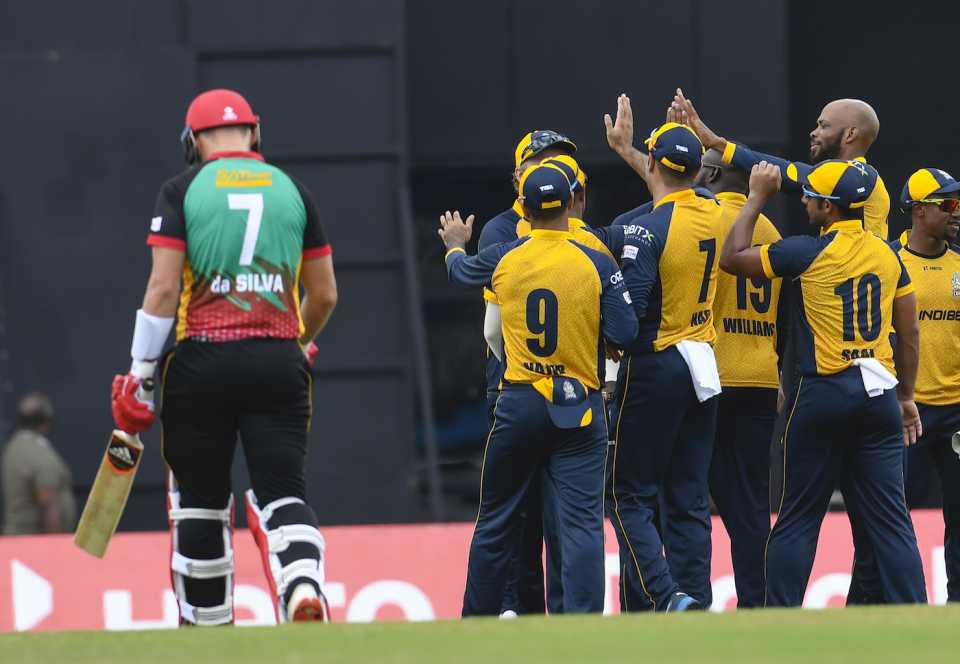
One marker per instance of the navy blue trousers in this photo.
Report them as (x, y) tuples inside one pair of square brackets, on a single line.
[(740, 482), (939, 425), (661, 466), (523, 442), (524, 592), (835, 431)]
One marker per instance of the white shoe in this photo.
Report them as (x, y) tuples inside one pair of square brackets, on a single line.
[(307, 605), (509, 614)]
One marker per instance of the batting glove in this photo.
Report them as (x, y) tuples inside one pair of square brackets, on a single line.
[(132, 410)]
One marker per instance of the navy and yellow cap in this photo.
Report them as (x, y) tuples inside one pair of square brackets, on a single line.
[(539, 140), (676, 147), (544, 187), (570, 168), (568, 403), (846, 183), (927, 183)]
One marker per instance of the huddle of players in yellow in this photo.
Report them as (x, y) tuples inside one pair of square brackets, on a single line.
[(705, 351)]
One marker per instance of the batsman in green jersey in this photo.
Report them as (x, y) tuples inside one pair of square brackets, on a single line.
[(233, 238)]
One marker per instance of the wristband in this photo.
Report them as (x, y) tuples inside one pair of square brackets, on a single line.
[(149, 336)]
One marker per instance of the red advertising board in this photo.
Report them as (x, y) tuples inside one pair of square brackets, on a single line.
[(373, 573)]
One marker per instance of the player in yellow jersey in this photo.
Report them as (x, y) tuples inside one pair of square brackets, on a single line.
[(665, 429), (747, 325), (527, 594), (846, 129), (929, 252), (524, 593), (558, 301), (844, 420)]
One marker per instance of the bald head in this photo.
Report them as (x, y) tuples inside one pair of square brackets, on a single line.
[(845, 129), (857, 113)]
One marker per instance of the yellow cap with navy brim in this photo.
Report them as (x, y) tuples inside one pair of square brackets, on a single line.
[(539, 140), (846, 183), (675, 146), (544, 187), (927, 183), (568, 403)]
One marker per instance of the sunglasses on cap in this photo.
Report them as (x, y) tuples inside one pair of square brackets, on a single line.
[(948, 205), (810, 193), (541, 140)]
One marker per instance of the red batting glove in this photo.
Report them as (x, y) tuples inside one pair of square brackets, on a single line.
[(311, 350), (129, 412)]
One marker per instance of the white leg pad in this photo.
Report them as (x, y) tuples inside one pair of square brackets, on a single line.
[(277, 540), (184, 567)]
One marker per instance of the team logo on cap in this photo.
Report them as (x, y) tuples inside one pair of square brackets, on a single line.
[(546, 187), (859, 166), (568, 392), (229, 113)]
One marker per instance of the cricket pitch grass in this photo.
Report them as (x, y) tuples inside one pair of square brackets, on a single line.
[(880, 634)]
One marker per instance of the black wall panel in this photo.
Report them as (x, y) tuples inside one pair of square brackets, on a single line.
[(93, 102)]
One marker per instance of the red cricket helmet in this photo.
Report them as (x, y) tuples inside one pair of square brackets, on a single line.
[(216, 108)]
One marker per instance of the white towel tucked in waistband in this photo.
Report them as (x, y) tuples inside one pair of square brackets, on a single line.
[(875, 376), (703, 367)]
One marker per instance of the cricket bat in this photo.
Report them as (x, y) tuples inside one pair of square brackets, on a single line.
[(109, 493), (110, 490)]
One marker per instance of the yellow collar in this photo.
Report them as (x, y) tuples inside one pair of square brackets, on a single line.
[(848, 225), (862, 160), (904, 238), (518, 208), (545, 234), (681, 195), (731, 196)]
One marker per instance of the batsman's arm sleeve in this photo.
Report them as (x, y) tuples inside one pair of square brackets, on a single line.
[(315, 242), (167, 227), (476, 270), (745, 159)]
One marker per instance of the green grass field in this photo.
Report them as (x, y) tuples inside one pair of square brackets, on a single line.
[(912, 634)]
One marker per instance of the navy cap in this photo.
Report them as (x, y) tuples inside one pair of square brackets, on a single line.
[(846, 183), (926, 183), (676, 147), (568, 403), (544, 187)]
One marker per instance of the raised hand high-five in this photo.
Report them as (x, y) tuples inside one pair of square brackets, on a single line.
[(454, 232), (620, 131), (684, 107)]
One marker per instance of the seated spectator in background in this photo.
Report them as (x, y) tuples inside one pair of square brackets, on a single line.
[(37, 487)]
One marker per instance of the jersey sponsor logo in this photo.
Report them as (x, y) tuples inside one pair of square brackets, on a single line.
[(229, 113), (545, 369), (248, 283), (940, 314), (955, 282), (857, 353), (156, 223), (241, 177), (749, 326), (629, 251), (638, 232), (616, 278), (627, 298), (700, 318)]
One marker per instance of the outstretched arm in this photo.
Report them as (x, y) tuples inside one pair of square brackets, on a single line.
[(741, 157)]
